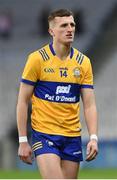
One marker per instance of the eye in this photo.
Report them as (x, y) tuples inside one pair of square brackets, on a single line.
[(72, 24), (64, 25)]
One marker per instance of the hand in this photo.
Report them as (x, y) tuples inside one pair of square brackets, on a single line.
[(92, 150), (25, 152)]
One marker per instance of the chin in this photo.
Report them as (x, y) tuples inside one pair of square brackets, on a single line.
[(68, 41)]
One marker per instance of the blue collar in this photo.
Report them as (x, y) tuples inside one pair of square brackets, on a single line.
[(53, 51)]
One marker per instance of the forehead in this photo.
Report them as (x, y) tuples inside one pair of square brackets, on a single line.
[(65, 19)]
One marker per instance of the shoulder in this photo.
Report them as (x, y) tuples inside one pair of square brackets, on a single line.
[(41, 53), (80, 57)]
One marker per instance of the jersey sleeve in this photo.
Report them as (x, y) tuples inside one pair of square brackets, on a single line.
[(88, 75), (31, 73)]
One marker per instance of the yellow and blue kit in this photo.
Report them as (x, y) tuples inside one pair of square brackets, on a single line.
[(57, 85)]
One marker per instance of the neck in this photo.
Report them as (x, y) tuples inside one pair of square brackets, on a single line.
[(62, 50)]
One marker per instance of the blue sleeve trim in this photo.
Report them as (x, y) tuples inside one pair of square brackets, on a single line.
[(28, 82), (87, 86)]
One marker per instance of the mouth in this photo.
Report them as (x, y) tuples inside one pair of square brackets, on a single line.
[(69, 36)]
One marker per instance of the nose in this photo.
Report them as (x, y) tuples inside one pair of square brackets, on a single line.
[(70, 28)]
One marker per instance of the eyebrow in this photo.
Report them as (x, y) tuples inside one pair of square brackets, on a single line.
[(65, 24)]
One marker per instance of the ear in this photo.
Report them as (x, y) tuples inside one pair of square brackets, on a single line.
[(51, 32)]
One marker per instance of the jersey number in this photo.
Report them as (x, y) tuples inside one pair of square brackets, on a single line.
[(63, 73)]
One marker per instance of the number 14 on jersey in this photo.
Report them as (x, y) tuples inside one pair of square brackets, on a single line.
[(63, 72)]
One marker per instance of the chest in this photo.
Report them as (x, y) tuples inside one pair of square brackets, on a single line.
[(61, 71)]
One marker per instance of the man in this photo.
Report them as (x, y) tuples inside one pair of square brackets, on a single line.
[(54, 77)]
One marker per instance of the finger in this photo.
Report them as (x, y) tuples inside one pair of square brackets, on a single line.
[(23, 158), (90, 159), (26, 159), (91, 156), (90, 151), (29, 160)]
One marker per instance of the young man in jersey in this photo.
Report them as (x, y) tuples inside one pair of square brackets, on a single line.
[(55, 77)]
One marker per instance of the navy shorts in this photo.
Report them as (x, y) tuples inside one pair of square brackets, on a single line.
[(67, 148)]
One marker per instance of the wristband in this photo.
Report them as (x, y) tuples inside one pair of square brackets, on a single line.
[(23, 139), (94, 136)]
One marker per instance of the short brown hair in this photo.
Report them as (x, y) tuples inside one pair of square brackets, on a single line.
[(59, 13)]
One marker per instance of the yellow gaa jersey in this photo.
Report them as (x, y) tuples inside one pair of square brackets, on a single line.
[(57, 85)]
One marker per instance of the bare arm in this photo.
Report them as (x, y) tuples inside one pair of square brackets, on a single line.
[(90, 110), (25, 94), (90, 113)]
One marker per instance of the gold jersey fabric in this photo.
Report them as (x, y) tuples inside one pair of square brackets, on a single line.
[(57, 84)]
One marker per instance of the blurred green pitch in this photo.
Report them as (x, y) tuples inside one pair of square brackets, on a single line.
[(84, 174)]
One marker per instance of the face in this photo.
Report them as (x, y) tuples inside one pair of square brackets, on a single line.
[(62, 29)]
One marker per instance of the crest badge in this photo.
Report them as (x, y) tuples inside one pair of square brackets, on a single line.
[(76, 72)]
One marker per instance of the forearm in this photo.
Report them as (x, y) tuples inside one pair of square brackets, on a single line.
[(91, 119), (22, 109)]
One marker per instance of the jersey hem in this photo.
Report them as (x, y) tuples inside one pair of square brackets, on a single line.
[(59, 134)]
